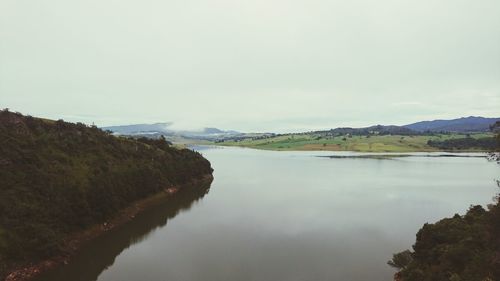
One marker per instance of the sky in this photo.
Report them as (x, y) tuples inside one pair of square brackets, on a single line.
[(250, 65)]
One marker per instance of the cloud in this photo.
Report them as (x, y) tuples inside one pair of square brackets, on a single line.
[(251, 66)]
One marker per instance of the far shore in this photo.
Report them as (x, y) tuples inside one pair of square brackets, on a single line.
[(336, 149), (455, 142)]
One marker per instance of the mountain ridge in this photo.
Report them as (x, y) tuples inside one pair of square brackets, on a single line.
[(471, 124), (155, 130), (462, 125)]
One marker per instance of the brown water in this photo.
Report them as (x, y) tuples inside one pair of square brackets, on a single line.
[(287, 216)]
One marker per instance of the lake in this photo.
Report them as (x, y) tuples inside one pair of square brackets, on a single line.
[(288, 216)]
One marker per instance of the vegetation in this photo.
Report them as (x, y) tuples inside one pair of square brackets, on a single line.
[(464, 143), (459, 248), (368, 142), (58, 178), (401, 260)]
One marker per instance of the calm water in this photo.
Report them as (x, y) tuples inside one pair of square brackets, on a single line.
[(287, 216)]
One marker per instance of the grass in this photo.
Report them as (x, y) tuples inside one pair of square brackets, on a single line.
[(387, 143)]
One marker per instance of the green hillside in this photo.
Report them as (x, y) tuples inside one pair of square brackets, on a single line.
[(58, 178), (369, 143)]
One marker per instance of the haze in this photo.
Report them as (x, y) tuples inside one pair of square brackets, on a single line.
[(261, 65)]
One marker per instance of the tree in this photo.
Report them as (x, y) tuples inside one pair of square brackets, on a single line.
[(495, 155), (401, 260)]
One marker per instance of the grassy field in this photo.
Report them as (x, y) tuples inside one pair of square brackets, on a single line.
[(387, 143)]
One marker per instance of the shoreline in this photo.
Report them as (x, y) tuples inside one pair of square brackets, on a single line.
[(347, 150), (75, 241)]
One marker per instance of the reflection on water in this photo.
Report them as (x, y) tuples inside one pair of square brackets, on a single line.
[(100, 253), (289, 216)]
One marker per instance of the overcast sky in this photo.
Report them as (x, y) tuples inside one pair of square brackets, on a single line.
[(252, 65)]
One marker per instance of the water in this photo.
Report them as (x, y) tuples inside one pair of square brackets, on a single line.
[(288, 216)]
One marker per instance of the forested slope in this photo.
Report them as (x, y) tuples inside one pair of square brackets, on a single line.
[(57, 178)]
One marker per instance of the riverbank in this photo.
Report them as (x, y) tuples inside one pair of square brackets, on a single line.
[(74, 242), (346, 149)]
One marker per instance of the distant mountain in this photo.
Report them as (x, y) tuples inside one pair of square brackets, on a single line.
[(157, 129), (372, 130), (212, 131), (462, 125), (139, 128)]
